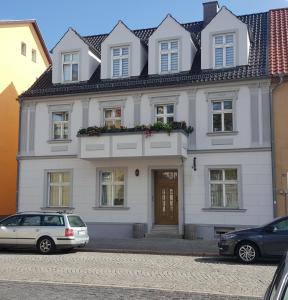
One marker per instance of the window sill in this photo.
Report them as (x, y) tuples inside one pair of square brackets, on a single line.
[(222, 133), (60, 141), (240, 210), (60, 208), (110, 208)]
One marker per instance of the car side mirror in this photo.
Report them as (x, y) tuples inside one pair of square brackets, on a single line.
[(270, 229)]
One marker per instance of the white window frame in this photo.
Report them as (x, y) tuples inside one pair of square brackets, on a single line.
[(60, 184), (164, 115), (113, 118), (224, 46), (62, 125), (120, 57), (113, 184), (222, 112), (169, 52), (224, 182), (70, 63)]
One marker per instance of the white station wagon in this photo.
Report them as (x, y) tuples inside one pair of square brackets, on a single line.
[(46, 231)]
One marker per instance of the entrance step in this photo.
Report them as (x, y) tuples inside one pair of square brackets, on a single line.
[(165, 231)]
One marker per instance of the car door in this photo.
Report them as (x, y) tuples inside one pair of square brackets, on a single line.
[(8, 231), (275, 239), (29, 230)]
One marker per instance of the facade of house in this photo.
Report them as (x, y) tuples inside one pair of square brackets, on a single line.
[(87, 146), (23, 58), (279, 72)]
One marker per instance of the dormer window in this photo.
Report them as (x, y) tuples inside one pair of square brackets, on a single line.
[(70, 67), (169, 56), (224, 50), (120, 62)]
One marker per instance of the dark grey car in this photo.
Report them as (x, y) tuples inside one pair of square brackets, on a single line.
[(270, 240)]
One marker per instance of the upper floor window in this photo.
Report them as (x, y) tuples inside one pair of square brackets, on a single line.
[(59, 189), (113, 117), (223, 185), (60, 123), (164, 113), (23, 49), (224, 50), (120, 62), (70, 66), (169, 56), (222, 116), (34, 57)]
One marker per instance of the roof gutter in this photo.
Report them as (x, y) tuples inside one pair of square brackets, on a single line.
[(272, 89)]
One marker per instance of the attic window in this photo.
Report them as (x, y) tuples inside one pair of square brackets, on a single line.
[(169, 56), (70, 67), (23, 49), (224, 50), (120, 62)]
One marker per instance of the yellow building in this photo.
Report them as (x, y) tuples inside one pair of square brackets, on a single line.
[(23, 58)]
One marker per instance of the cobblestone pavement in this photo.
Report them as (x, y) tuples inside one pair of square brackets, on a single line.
[(15, 290), (171, 273)]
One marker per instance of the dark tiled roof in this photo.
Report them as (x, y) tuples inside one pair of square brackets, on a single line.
[(257, 67), (278, 46)]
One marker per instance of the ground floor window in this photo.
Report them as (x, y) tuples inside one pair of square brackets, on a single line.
[(59, 189), (224, 188), (112, 188)]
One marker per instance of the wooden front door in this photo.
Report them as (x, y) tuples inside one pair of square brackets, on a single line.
[(166, 197)]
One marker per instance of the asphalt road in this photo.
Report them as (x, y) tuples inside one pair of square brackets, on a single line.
[(10, 290)]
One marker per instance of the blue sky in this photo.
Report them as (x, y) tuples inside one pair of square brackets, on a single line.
[(96, 17)]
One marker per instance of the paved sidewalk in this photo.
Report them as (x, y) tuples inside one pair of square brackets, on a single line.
[(154, 246)]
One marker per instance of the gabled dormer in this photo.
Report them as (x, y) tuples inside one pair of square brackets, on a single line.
[(225, 41), (171, 49), (122, 54), (73, 60)]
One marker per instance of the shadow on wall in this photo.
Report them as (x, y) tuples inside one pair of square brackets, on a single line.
[(9, 119)]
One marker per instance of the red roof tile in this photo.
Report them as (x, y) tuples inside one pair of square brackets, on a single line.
[(278, 51)]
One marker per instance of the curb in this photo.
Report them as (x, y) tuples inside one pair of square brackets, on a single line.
[(152, 252)]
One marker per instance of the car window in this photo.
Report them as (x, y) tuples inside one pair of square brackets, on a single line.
[(285, 293), (13, 221), (53, 221), (75, 221), (281, 226), (31, 221)]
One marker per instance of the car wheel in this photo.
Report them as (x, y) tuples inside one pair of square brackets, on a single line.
[(46, 245), (247, 252)]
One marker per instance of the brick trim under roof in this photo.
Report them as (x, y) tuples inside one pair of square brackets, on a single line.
[(257, 67), (278, 41)]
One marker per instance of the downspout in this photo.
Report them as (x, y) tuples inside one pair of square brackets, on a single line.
[(272, 89), (17, 157)]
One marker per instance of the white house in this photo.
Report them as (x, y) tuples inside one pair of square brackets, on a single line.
[(85, 144)]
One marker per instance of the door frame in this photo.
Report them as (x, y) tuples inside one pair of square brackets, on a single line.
[(151, 194)]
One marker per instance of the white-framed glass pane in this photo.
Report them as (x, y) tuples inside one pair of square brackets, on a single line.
[(106, 177), (75, 57), (164, 46), (231, 174), (116, 51), (66, 177), (118, 195), (117, 123), (216, 105), (119, 175), (54, 177), (228, 122), (54, 195), (125, 51), (170, 109), (229, 39), (216, 195), (174, 61), (164, 62), (57, 131), (116, 67), (231, 191), (219, 40), (118, 112), (170, 120), (106, 196), (229, 56), (125, 67), (219, 57), (159, 109), (66, 72), (174, 45), (74, 72), (65, 196), (217, 122), (160, 119), (228, 104), (108, 113), (216, 175), (67, 57), (109, 123)]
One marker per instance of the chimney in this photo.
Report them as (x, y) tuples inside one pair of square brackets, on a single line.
[(210, 10)]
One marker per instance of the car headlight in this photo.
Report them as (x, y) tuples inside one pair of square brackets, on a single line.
[(228, 236)]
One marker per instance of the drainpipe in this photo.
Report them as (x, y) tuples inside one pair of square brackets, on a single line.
[(272, 89), (17, 158)]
